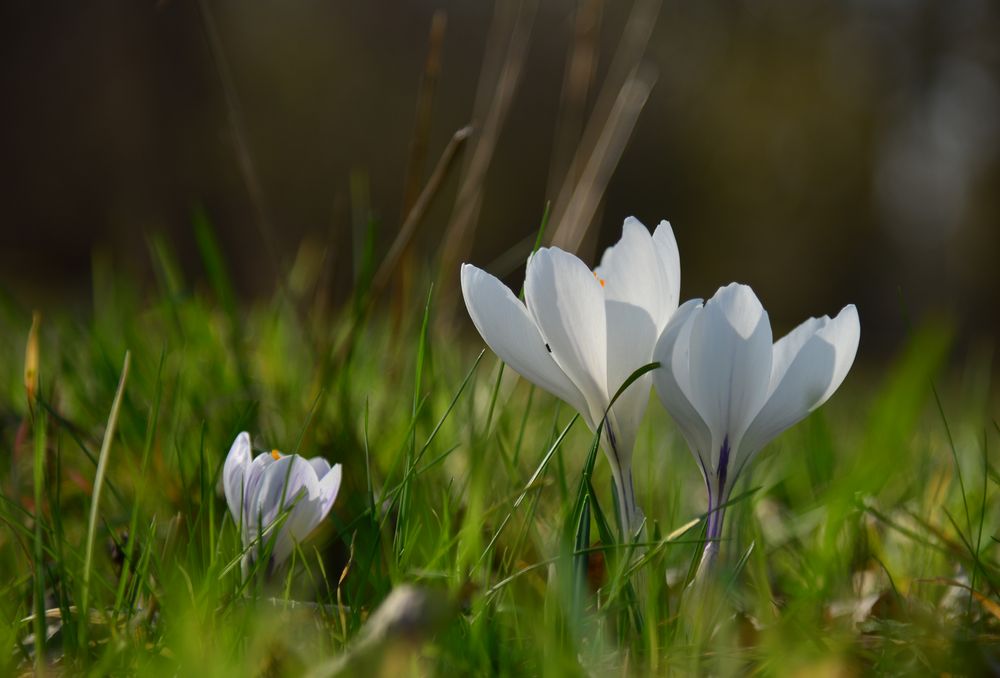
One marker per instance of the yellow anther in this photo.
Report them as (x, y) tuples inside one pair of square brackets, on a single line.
[(600, 280), (276, 454)]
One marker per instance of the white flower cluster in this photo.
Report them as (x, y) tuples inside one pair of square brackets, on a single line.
[(273, 487), (579, 334)]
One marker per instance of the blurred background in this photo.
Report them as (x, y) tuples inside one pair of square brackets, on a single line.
[(824, 151)]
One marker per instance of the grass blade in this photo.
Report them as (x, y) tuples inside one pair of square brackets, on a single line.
[(39, 554), (95, 501)]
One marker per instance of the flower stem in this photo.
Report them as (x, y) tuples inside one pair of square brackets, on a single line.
[(621, 472), (628, 512), (713, 532)]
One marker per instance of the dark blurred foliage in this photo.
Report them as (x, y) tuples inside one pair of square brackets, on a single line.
[(824, 151)]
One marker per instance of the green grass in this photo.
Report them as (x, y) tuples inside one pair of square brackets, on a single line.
[(465, 481)]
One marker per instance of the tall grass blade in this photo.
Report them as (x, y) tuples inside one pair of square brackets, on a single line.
[(39, 551), (95, 501)]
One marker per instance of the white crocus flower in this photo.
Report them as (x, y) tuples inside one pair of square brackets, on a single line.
[(731, 391), (259, 490), (581, 333)]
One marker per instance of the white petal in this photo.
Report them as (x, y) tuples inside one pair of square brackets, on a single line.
[(309, 511), (281, 481), (672, 381), (320, 465), (329, 482), (816, 371), (329, 486), (302, 519), (679, 356), (631, 336), (252, 480), (567, 304), (288, 482), (786, 348), (730, 365), (234, 472), (506, 327), (670, 261), (631, 272), (843, 332)]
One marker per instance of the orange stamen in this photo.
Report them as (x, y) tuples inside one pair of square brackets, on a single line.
[(600, 280), (276, 454)]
